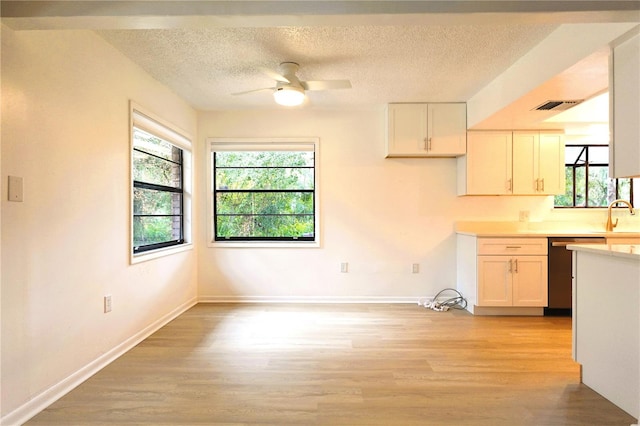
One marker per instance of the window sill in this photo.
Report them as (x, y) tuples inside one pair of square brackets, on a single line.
[(154, 254), (263, 244)]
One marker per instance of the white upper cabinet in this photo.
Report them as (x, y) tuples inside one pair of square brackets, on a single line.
[(538, 163), (512, 163), (624, 101), (447, 129), (487, 164), (426, 130)]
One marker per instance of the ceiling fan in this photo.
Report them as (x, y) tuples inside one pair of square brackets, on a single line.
[(289, 90)]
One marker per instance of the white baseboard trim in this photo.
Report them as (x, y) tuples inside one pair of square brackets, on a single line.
[(41, 401), (305, 299)]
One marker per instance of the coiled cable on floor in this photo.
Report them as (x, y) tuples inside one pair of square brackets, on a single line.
[(457, 302)]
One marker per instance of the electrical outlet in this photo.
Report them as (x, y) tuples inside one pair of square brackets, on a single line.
[(344, 267), (107, 304), (524, 215), (15, 189), (415, 268)]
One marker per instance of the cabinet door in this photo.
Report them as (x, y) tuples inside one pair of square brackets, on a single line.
[(525, 163), (494, 281), (624, 104), (489, 163), (530, 281), (538, 163), (407, 134), (447, 129), (551, 175)]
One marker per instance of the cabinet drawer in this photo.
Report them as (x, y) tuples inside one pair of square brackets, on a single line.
[(512, 246)]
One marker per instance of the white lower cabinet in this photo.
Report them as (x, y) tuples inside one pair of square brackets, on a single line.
[(512, 280), (503, 273)]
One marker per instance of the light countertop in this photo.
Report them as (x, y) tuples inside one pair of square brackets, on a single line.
[(539, 229), (630, 251)]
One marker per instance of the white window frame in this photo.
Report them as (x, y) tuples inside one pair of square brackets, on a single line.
[(277, 143), (143, 119)]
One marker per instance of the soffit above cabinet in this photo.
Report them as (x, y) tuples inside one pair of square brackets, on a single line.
[(581, 82)]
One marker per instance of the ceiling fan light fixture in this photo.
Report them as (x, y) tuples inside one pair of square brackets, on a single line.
[(289, 95)]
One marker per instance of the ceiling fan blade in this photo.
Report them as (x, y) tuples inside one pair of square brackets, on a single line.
[(274, 75), (254, 90), (326, 84)]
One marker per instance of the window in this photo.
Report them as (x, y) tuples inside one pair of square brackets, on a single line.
[(160, 183), (587, 179), (264, 191)]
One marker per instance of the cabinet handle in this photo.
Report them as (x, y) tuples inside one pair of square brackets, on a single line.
[(508, 184), (516, 269), (429, 145), (537, 185), (542, 184), (426, 147), (510, 265), (514, 247)]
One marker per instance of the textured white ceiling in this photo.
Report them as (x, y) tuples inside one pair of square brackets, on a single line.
[(395, 63), (392, 51)]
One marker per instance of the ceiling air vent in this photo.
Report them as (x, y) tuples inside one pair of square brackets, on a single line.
[(557, 105)]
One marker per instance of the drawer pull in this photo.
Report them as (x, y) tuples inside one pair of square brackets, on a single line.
[(514, 247)]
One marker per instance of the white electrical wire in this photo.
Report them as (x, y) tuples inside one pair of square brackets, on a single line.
[(457, 302)]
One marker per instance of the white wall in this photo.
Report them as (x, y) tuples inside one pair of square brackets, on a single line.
[(65, 130), (379, 215)]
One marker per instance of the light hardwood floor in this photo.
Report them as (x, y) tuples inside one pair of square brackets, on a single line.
[(341, 365)]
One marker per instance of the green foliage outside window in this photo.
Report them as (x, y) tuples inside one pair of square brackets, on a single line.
[(264, 195)]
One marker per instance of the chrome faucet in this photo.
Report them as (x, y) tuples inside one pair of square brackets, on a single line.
[(610, 223)]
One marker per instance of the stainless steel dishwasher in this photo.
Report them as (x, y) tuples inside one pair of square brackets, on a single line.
[(560, 272)]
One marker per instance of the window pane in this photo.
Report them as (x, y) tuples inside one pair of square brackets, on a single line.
[(598, 155), (624, 189), (153, 145), (566, 199), (153, 230), (264, 203), (269, 178), (157, 197), (149, 169), (148, 201), (574, 155), (264, 159), (601, 190), (581, 187), (275, 226), (599, 186), (267, 195)]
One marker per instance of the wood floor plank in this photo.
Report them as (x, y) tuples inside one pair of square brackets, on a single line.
[(289, 364)]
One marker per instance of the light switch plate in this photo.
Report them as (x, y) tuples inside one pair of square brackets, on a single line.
[(15, 188)]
